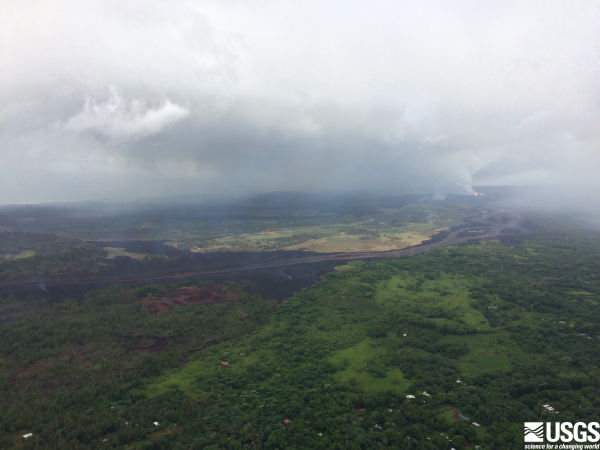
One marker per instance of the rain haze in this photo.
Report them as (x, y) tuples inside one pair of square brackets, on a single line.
[(270, 224), (143, 99)]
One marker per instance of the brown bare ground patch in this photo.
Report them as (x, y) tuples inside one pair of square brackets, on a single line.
[(204, 295)]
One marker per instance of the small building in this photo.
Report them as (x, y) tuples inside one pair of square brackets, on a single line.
[(404, 334), (224, 363), (475, 424), (27, 435), (410, 396), (549, 409), (156, 424), (464, 417), (458, 382), (286, 422), (426, 394)]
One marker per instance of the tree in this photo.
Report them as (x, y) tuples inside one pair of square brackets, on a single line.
[(277, 439)]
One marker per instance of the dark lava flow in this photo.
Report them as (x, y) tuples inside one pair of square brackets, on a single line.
[(275, 275)]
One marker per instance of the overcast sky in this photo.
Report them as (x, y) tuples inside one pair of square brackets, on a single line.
[(126, 99)]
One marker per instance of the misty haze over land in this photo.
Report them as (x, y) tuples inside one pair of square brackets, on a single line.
[(303, 225), (147, 99)]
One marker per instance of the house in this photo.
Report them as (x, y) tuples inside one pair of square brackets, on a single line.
[(410, 396), (464, 417), (286, 422), (475, 424), (224, 363), (459, 382), (549, 409), (27, 436), (426, 394)]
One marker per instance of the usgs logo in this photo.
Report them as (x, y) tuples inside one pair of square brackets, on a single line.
[(561, 432)]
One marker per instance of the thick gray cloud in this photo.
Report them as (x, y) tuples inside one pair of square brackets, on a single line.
[(144, 98)]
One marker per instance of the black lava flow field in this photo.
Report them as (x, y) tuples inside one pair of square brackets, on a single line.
[(275, 275)]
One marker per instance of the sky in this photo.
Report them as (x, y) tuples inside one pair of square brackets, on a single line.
[(139, 99)]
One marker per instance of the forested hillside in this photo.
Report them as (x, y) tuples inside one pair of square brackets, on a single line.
[(24, 254), (13, 243), (492, 331)]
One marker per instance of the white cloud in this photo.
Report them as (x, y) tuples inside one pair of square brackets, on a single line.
[(435, 139), (276, 95), (120, 120)]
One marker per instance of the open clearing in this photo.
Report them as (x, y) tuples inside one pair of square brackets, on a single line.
[(355, 237), (114, 252), (23, 254), (354, 363), (450, 416)]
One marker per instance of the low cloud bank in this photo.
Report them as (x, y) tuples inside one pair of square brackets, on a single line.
[(105, 99)]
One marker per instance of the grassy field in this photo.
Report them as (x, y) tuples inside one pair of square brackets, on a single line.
[(383, 240), (23, 254), (354, 361), (352, 237), (203, 366), (114, 252), (448, 293), (485, 354)]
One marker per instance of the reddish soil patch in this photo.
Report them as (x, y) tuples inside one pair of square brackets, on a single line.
[(205, 295)]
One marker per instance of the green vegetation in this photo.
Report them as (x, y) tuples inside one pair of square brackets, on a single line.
[(281, 221), (344, 236), (491, 331), (23, 254), (66, 364), (84, 259), (22, 244)]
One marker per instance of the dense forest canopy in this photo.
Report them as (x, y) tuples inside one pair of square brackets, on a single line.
[(24, 254), (15, 242), (492, 331)]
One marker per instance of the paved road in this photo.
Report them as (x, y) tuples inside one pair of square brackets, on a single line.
[(458, 236)]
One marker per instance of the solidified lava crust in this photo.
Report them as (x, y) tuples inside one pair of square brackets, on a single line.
[(277, 275)]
